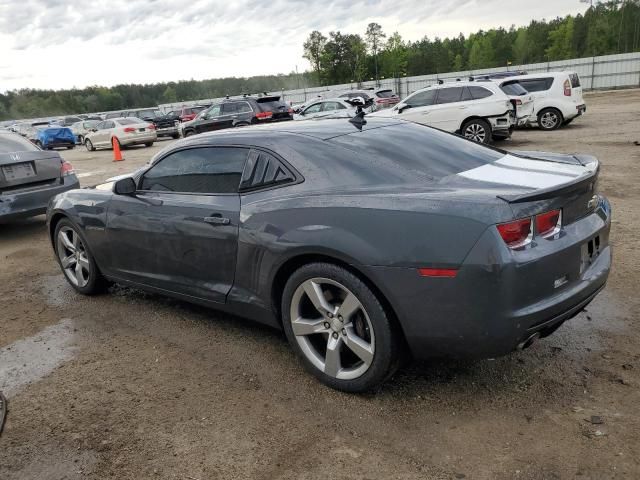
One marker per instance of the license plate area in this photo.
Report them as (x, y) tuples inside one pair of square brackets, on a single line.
[(18, 171), (141, 129), (589, 252)]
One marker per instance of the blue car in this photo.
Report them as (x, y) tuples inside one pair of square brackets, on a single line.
[(51, 137)]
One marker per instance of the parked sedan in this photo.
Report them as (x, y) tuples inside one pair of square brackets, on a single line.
[(125, 131), (331, 107), (80, 129), (30, 177), (362, 240)]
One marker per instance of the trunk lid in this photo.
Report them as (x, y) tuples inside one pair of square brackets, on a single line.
[(536, 182), (20, 170)]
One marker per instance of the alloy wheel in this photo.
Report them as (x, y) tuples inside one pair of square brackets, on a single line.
[(549, 120), (332, 328), (73, 257), (475, 132)]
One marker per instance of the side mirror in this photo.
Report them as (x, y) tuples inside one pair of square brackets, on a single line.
[(402, 106), (125, 186), (93, 130)]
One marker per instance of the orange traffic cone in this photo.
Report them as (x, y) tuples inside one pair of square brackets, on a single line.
[(117, 155)]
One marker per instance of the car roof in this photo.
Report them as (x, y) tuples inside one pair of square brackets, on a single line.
[(542, 75)]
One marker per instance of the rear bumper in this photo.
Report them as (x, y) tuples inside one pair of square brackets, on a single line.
[(167, 131), (28, 203), (499, 297), (137, 139)]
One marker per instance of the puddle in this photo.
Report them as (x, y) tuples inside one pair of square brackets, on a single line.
[(30, 359)]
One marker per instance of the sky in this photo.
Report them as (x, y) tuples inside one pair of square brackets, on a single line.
[(56, 44)]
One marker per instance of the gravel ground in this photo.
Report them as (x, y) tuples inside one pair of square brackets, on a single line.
[(130, 385)]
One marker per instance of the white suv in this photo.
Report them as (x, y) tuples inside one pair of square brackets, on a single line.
[(480, 111), (557, 98)]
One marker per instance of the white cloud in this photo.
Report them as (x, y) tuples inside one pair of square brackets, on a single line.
[(61, 44)]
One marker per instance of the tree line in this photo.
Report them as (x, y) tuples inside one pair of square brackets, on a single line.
[(605, 28)]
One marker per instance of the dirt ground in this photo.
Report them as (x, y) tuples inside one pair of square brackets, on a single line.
[(133, 386)]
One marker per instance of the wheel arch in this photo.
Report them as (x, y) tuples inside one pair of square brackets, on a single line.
[(285, 271), (473, 117)]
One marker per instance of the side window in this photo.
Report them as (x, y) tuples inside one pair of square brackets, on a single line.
[(422, 99), (229, 108), (479, 92), (331, 106), (466, 94), (315, 108), (110, 124), (212, 170), (100, 126), (537, 84), (449, 95), (265, 170), (244, 107), (214, 111)]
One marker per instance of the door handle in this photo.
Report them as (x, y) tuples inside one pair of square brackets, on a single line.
[(217, 220)]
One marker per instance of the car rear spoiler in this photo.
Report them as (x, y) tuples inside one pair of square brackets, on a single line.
[(273, 98), (588, 180)]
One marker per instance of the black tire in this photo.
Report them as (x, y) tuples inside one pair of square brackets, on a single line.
[(188, 133), (386, 356), (148, 144), (549, 119), (96, 282), (71, 147), (477, 130), (80, 140), (175, 136), (242, 124), (89, 145)]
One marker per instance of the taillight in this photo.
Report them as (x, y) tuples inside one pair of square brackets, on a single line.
[(264, 115), (151, 126), (66, 169), (516, 234), (549, 223), (129, 130), (567, 88)]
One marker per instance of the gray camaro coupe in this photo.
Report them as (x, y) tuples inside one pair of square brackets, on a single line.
[(30, 177), (362, 242)]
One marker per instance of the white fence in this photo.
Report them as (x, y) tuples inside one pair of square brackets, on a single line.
[(605, 72)]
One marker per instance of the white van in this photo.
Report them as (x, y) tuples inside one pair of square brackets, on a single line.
[(557, 98)]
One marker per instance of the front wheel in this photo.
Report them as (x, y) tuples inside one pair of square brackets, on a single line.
[(89, 145), (338, 327), (75, 259), (549, 119), (477, 130)]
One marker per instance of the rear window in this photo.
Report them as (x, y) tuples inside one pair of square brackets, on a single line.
[(513, 88), (271, 105), (537, 84), (575, 80), (127, 121), (146, 113), (385, 93), (10, 143), (411, 151)]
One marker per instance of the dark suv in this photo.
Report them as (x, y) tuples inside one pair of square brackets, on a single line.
[(238, 112), (165, 127)]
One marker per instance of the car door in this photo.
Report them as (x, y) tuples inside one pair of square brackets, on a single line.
[(229, 115), (210, 120), (312, 111), (102, 137), (539, 88), (179, 231), (417, 107), (448, 111)]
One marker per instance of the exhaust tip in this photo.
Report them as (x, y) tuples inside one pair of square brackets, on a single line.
[(529, 341)]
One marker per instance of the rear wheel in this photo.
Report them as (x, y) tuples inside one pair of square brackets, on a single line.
[(339, 328), (75, 259), (175, 136), (188, 133), (148, 144), (477, 130), (242, 124), (89, 145), (549, 119)]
